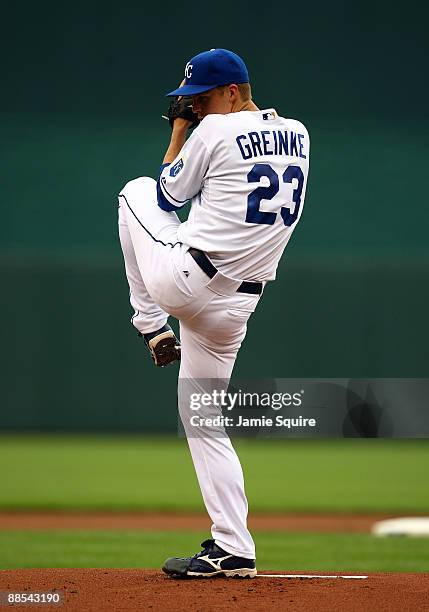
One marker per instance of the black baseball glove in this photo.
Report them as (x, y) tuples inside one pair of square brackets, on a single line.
[(180, 106)]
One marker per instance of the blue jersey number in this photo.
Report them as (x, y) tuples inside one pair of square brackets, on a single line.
[(254, 214)]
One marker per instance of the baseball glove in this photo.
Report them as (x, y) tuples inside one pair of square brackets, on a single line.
[(180, 106)]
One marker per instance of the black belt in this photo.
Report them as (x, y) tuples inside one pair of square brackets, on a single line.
[(206, 266)]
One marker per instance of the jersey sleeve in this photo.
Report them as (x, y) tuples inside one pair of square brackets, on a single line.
[(181, 180)]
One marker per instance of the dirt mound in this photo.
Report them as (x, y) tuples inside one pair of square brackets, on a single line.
[(121, 589)]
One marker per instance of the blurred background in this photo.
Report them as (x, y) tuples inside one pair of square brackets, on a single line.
[(80, 115)]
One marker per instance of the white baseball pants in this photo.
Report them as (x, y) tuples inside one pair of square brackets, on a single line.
[(164, 279)]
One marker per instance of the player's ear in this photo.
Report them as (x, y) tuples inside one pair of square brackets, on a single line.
[(233, 92)]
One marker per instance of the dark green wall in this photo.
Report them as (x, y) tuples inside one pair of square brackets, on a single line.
[(332, 58), (80, 115)]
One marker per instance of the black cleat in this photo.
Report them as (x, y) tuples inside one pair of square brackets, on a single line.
[(163, 346), (211, 561)]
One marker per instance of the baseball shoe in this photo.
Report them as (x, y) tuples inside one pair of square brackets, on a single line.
[(163, 346), (211, 561)]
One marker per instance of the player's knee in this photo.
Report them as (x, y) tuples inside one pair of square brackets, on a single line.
[(139, 185)]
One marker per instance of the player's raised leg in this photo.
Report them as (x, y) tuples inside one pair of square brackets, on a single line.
[(148, 316), (138, 209)]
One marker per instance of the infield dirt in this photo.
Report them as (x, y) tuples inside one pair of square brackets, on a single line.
[(122, 589), (347, 523)]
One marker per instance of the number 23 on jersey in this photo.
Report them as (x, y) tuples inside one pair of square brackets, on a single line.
[(254, 214)]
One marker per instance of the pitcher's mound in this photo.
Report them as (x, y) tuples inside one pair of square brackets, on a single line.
[(123, 589)]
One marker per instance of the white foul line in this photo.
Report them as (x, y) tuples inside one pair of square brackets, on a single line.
[(308, 576)]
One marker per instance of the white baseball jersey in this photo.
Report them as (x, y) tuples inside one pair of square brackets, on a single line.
[(246, 175)]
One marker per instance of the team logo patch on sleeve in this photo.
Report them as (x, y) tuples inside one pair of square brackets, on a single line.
[(174, 170)]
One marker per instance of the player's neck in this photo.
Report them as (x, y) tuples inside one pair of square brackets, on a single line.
[(249, 105)]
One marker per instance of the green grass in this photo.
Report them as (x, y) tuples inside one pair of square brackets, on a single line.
[(147, 473), (281, 551)]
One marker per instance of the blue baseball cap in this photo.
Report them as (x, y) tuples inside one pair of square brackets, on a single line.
[(212, 69)]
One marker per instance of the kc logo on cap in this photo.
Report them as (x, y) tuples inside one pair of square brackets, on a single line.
[(188, 70)]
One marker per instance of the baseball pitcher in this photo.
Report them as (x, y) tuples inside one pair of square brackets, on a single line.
[(245, 172)]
